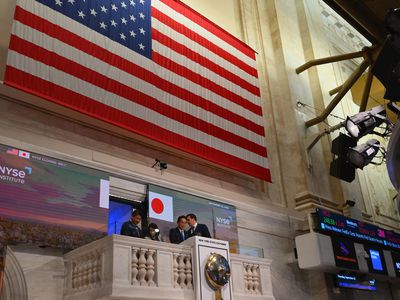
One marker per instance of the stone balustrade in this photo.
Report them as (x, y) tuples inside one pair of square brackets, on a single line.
[(251, 277), (121, 267)]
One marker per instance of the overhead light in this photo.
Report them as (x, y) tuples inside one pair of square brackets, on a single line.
[(364, 122), (348, 157), (342, 144), (342, 169), (340, 166), (363, 154)]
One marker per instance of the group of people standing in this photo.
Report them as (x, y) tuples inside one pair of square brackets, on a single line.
[(187, 227)]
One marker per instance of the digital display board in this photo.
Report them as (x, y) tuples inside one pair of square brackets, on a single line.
[(50, 201), (166, 205), (396, 262), (345, 253), (354, 281), (337, 224), (375, 260)]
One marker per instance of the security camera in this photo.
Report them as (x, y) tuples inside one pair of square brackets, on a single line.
[(350, 203)]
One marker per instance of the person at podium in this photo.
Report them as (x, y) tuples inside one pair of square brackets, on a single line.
[(178, 234), (196, 228)]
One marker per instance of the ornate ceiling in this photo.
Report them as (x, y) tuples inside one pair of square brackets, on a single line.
[(367, 16)]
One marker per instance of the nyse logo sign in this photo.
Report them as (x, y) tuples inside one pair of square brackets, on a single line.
[(14, 175), (223, 222)]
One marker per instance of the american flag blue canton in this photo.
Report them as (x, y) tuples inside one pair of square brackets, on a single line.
[(127, 22)]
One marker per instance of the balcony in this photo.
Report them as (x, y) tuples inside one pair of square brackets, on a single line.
[(121, 267)]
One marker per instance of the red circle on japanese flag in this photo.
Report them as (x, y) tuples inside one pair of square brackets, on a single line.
[(157, 205)]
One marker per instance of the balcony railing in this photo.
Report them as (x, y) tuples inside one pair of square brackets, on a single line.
[(132, 268)]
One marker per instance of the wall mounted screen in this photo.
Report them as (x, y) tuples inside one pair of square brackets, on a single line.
[(49, 201), (396, 262), (219, 217), (375, 260), (354, 281), (345, 253)]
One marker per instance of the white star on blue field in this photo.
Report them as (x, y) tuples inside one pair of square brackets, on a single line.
[(127, 22)]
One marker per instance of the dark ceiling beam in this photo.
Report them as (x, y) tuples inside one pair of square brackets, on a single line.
[(361, 18)]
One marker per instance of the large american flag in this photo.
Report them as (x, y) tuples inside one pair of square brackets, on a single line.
[(156, 68)]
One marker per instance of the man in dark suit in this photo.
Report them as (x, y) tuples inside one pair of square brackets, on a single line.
[(196, 228), (178, 234), (131, 227)]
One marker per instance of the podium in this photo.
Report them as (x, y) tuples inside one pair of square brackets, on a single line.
[(202, 249)]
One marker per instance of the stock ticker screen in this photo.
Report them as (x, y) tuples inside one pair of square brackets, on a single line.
[(331, 223)]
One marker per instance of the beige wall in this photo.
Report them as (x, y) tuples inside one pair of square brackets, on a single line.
[(285, 33), (221, 12)]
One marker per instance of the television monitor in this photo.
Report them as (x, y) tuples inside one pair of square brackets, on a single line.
[(396, 262), (345, 253), (376, 261), (354, 281)]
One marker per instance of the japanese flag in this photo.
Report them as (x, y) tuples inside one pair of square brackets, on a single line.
[(161, 207), (24, 154)]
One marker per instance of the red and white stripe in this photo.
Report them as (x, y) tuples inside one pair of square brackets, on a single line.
[(200, 95)]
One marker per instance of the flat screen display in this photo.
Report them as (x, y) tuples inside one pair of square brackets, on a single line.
[(50, 201), (345, 253), (354, 281), (396, 262), (166, 205), (375, 260)]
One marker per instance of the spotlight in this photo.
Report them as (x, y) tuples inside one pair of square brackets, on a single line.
[(364, 122), (342, 144), (348, 156), (340, 167), (363, 154)]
